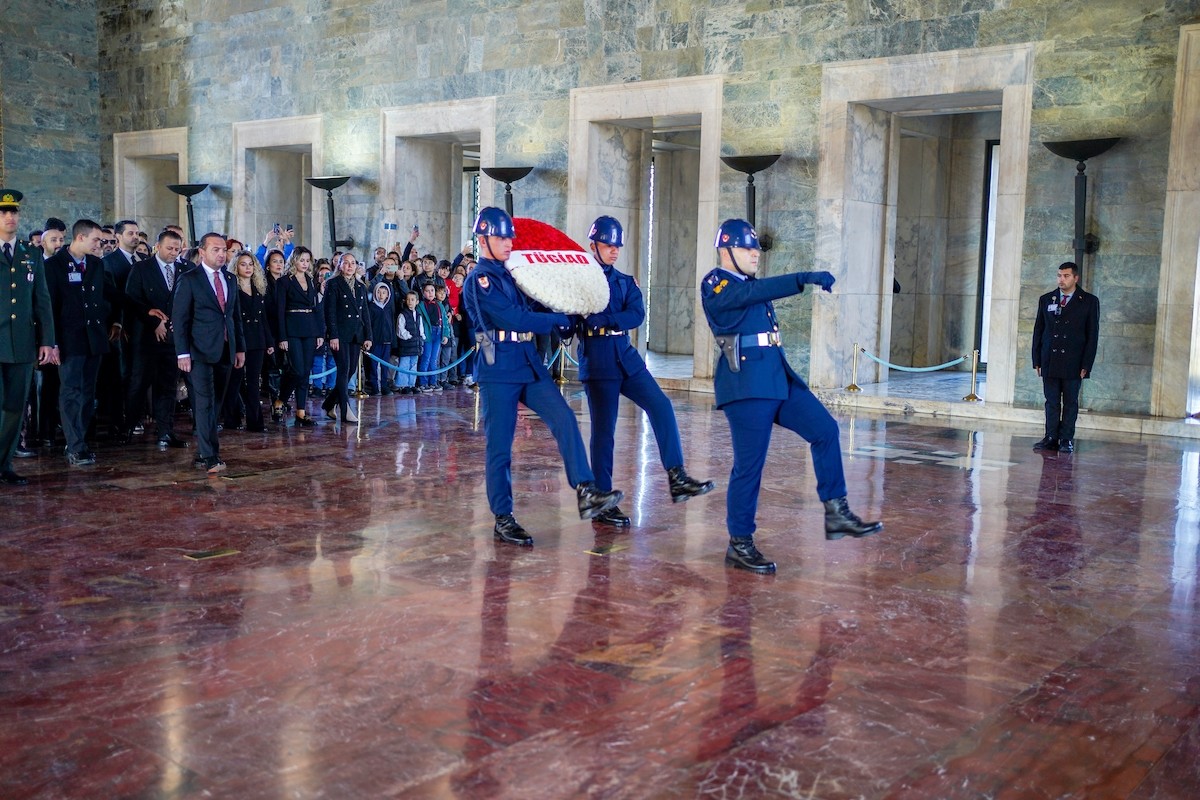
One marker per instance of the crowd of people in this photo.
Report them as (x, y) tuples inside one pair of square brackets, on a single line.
[(302, 322)]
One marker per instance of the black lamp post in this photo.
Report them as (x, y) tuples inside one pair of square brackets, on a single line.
[(508, 176), (186, 190), (1080, 150), (748, 165), (329, 184)]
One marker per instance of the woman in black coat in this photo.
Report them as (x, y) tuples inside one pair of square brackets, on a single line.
[(245, 383), (347, 326), (301, 329)]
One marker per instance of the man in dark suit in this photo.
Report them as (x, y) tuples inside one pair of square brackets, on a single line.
[(75, 278), (208, 340), (115, 369), (26, 328), (1064, 348), (148, 297)]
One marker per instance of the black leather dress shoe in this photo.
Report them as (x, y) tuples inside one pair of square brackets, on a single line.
[(1066, 446), (171, 441), (742, 554), (10, 478), (305, 422), (841, 521), (24, 452), (684, 487), (198, 462), (509, 530), (593, 502), (84, 459), (1047, 443), (614, 517)]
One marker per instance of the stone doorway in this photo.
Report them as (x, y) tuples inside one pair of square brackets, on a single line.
[(861, 108), (615, 133), (144, 164)]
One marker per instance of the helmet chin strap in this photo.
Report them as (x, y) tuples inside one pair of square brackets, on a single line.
[(736, 266), (596, 253), (487, 242)]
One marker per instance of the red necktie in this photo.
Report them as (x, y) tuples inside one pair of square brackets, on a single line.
[(219, 285)]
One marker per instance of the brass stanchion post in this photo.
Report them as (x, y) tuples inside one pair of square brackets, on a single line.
[(561, 369), (972, 397), (854, 387)]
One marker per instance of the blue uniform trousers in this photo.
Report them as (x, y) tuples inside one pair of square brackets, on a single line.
[(500, 424), (604, 397), (750, 423)]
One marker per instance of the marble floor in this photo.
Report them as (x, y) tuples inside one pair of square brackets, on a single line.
[(332, 619)]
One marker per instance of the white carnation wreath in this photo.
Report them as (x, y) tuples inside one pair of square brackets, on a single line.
[(567, 281)]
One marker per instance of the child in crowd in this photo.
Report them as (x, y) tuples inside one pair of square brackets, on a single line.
[(446, 354), (431, 314), (383, 322), (322, 357), (410, 341)]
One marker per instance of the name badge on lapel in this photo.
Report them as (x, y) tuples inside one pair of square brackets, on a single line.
[(1052, 308), (75, 277)]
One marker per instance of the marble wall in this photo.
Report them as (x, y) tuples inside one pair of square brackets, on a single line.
[(1099, 67), (50, 110)]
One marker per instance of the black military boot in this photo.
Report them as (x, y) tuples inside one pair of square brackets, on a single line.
[(593, 502), (744, 555), (614, 517), (841, 521), (509, 530), (684, 487)]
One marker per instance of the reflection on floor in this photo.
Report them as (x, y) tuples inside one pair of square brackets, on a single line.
[(1025, 626), (669, 366)]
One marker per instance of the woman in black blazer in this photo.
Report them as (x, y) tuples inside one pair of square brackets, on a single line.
[(301, 330), (347, 326), (245, 384)]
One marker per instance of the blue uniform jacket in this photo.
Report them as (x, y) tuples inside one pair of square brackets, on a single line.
[(494, 303), (739, 306), (612, 357)]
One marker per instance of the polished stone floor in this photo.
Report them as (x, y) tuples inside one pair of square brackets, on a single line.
[(332, 619)]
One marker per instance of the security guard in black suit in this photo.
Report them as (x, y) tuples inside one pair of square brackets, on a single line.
[(610, 366), (26, 328), (75, 279), (348, 330), (757, 389), (1065, 336), (511, 372)]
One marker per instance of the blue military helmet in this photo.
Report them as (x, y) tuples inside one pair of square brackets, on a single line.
[(736, 233), (494, 221), (606, 230)]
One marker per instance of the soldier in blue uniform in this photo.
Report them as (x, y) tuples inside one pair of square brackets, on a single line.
[(511, 372), (757, 389), (609, 366), (26, 328)]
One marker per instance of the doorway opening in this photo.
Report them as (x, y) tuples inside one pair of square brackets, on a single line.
[(278, 194), (945, 190)]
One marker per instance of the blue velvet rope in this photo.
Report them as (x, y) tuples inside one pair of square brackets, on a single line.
[(396, 368), (889, 365)]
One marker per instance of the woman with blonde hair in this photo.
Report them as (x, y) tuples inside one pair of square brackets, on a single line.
[(301, 331), (244, 383)]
